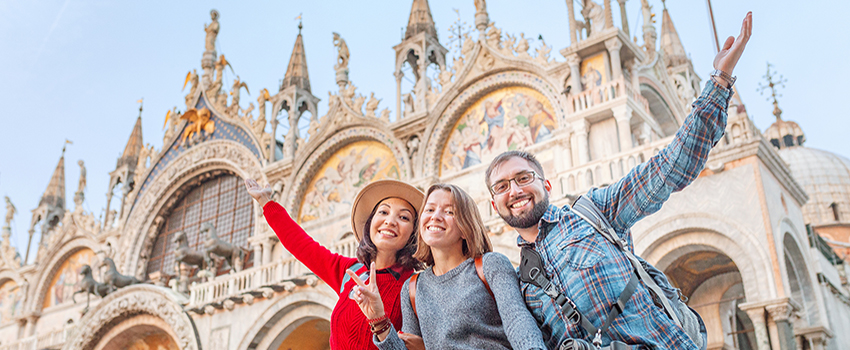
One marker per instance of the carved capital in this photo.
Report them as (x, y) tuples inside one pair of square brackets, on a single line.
[(613, 44), (782, 311), (574, 60)]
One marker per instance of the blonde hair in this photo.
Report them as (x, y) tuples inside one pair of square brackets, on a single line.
[(476, 242)]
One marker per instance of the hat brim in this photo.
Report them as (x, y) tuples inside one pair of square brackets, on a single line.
[(373, 194)]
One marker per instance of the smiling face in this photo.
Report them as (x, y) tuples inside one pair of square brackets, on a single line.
[(437, 223), (520, 207), (392, 224)]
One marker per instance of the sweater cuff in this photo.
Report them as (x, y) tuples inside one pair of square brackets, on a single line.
[(274, 208), (719, 95)]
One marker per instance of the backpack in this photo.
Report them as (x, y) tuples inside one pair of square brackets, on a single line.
[(669, 298), (479, 269)]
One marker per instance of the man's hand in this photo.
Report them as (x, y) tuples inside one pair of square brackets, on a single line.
[(260, 194), (732, 49)]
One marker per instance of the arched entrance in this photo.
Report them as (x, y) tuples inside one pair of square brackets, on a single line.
[(140, 332), (307, 333), (713, 286)]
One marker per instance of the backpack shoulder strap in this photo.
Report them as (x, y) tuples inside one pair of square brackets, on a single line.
[(479, 268), (412, 288), (345, 278)]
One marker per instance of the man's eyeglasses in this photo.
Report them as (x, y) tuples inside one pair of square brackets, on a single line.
[(522, 179)]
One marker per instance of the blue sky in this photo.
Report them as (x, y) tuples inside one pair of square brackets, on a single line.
[(74, 69)]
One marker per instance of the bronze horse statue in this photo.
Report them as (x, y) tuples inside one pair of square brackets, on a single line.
[(214, 245), (113, 279), (185, 254), (89, 286)]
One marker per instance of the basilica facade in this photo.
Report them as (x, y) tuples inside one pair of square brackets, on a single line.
[(186, 260)]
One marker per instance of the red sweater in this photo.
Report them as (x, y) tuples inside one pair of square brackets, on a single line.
[(349, 328)]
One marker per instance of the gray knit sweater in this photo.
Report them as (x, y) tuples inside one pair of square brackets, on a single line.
[(456, 312)]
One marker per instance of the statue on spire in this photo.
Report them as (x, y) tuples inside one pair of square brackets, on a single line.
[(10, 211), (212, 31), (341, 66)]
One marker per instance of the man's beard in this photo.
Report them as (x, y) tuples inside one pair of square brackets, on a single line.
[(529, 219)]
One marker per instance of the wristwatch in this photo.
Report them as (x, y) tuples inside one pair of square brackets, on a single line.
[(725, 76)]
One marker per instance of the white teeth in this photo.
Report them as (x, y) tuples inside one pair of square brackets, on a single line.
[(387, 233), (520, 204), (433, 228)]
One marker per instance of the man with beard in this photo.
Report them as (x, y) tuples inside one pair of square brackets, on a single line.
[(589, 272)]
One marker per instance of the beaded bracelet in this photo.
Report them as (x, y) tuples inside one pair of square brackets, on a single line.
[(380, 327), (376, 320)]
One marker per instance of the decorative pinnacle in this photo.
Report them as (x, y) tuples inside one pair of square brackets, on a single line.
[(458, 29), (299, 22), (773, 81)]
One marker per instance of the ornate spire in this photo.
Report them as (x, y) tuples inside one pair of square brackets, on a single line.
[(296, 72), (134, 145), (671, 45), (54, 195), (781, 133), (420, 20)]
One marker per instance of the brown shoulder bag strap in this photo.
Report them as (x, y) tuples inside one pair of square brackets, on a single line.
[(412, 288), (479, 268)]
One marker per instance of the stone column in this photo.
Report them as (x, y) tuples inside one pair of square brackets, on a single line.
[(398, 112), (609, 16), (623, 17), (580, 128), (575, 72), (756, 315), (817, 341), (273, 145), (781, 314), (29, 329), (572, 13), (267, 251), (623, 116), (292, 135), (613, 45)]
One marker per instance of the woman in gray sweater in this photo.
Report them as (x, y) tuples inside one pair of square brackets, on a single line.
[(467, 298)]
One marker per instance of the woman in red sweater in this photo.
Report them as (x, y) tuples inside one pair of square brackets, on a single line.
[(383, 218)]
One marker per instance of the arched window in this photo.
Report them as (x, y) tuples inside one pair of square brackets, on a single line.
[(220, 200)]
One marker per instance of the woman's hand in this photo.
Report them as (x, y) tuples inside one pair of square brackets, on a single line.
[(732, 49), (260, 194), (412, 341), (367, 296)]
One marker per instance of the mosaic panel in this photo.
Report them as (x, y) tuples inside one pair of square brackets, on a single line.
[(68, 276), (11, 300)]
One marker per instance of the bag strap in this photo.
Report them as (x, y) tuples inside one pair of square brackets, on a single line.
[(587, 210), (412, 287), (479, 268), (345, 278)]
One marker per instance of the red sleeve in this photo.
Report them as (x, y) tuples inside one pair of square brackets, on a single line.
[(330, 267)]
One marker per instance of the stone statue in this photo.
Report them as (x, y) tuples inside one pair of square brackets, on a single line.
[(358, 103), (10, 211), (82, 184), (89, 286), (646, 11), (342, 58), (193, 78), (596, 14), (260, 123), (385, 115), (114, 280), (480, 6), (409, 102), (213, 245), (185, 254), (233, 110), (372, 105), (212, 31)]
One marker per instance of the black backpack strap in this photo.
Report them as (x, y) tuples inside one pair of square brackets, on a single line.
[(587, 210)]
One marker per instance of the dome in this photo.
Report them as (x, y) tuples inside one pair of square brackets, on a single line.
[(825, 176)]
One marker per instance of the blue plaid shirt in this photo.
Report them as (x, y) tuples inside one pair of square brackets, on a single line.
[(589, 270)]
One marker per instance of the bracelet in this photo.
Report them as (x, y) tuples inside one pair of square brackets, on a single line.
[(380, 326), (376, 320), (724, 75)]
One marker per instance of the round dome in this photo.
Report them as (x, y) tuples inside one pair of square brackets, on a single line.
[(825, 176), (785, 133)]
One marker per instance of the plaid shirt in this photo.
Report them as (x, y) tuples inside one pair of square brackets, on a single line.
[(591, 271)]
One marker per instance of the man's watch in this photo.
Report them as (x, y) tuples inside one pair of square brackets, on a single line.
[(725, 76)]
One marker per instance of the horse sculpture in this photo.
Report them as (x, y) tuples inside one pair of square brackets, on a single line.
[(89, 286), (234, 255), (113, 279), (185, 254)]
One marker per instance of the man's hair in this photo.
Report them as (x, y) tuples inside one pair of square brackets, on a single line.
[(504, 157), (476, 242)]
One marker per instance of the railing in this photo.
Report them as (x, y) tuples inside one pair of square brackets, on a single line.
[(579, 179), (225, 286), (604, 93), (50, 340), (346, 247)]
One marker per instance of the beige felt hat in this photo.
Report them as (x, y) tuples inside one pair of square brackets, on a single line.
[(374, 193)]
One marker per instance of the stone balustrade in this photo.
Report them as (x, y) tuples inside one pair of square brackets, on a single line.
[(49, 340), (610, 91), (346, 247), (251, 280), (579, 179)]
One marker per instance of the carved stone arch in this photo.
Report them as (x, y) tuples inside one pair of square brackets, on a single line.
[(798, 275), (661, 106), (47, 271), (141, 299), (435, 48), (284, 312), (439, 130), (671, 239), (402, 54), (142, 224), (313, 159)]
